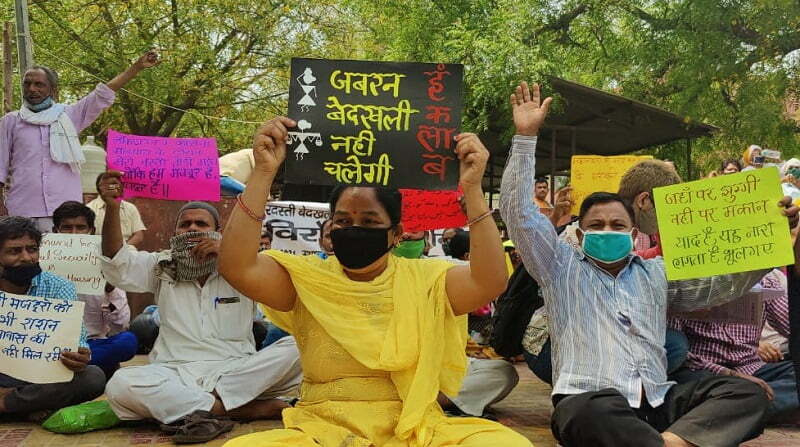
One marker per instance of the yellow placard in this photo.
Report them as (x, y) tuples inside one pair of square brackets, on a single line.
[(594, 173), (726, 224)]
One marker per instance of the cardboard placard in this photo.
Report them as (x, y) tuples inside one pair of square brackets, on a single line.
[(33, 334), (76, 258), (386, 124), (595, 173), (431, 210), (165, 168), (726, 224), (297, 226)]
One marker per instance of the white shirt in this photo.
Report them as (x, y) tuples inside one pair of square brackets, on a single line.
[(209, 323), (129, 217)]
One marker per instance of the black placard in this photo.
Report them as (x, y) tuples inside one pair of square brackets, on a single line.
[(374, 123)]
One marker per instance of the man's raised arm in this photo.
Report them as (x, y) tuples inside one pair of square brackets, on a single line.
[(127, 269), (147, 60), (533, 235)]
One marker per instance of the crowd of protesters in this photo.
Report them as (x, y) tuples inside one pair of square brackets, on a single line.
[(372, 333)]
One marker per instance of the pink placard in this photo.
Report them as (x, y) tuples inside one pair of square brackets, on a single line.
[(165, 168)]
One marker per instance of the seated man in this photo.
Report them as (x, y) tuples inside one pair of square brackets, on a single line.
[(643, 177), (21, 275), (204, 364), (731, 349), (106, 316), (607, 316), (538, 356), (147, 325)]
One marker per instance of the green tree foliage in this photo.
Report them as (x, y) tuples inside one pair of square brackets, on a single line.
[(731, 63), (221, 58)]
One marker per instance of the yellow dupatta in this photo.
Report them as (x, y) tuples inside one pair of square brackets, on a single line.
[(400, 322)]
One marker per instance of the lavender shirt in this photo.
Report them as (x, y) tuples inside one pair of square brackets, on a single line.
[(39, 184)]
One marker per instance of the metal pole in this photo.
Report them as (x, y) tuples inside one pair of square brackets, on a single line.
[(24, 45), (553, 169), (8, 67)]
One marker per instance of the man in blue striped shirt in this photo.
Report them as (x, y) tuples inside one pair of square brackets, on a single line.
[(607, 311), (21, 275)]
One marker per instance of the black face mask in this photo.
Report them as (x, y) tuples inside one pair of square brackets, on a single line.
[(358, 247), (21, 275)]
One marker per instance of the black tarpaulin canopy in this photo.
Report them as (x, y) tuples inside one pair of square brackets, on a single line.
[(595, 122)]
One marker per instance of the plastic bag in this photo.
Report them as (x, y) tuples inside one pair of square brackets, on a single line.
[(86, 417)]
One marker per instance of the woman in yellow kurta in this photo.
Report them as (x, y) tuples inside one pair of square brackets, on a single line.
[(379, 336)]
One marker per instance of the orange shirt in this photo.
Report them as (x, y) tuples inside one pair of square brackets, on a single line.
[(544, 206)]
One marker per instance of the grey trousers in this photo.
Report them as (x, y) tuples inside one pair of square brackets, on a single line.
[(31, 397), (716, 411), (487, 382)]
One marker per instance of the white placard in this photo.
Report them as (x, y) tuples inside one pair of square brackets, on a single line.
[(297, 226), (33, 334), (74, 257)]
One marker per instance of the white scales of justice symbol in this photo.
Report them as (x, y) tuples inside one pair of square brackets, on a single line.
[(302, 137)]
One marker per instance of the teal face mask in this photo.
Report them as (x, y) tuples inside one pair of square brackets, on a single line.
[(44, 105), (607, 247), (410, 249)]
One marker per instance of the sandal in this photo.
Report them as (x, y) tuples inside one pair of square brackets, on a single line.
[(173, 427), (200, 427)]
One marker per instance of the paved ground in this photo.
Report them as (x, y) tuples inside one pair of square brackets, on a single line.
[(526, 410)]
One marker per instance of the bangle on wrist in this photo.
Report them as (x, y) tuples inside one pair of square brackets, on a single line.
[(480, 218), (248, 211)]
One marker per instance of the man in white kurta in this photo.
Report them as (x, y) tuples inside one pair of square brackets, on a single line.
[(205, 352)]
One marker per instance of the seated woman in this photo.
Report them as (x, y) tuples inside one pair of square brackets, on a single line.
[(379, 335)]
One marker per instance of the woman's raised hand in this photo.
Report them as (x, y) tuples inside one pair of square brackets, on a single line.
[(269, 144), (472, 156)]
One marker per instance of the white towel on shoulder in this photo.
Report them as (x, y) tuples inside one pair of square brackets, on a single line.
[(65, 147)]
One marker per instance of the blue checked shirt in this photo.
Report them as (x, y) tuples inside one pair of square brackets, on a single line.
[(48, 285), (606, 332)]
